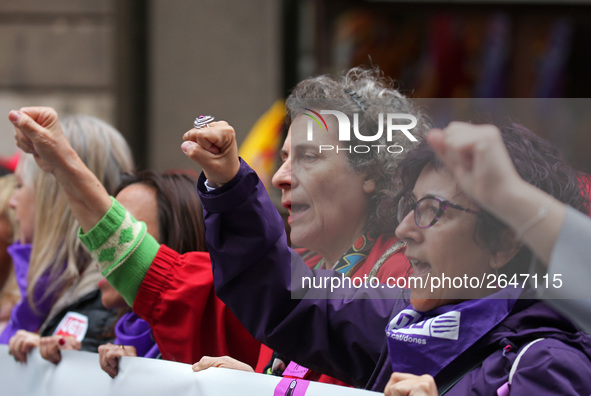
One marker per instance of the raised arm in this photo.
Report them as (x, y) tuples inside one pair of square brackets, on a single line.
[(38, 132), (482, 166), (557, 235)]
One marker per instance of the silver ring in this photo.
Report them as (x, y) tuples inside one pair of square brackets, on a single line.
[(203, 121)]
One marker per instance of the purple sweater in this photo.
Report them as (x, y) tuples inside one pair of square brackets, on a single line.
[(344, 336)]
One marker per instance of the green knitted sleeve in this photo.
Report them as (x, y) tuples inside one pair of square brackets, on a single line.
[(122, 248)]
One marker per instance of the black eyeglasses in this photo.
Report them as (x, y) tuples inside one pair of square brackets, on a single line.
[(428, 209)]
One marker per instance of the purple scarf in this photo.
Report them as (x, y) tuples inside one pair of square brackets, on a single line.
[(132, 330), (22, 315), (424, 343)]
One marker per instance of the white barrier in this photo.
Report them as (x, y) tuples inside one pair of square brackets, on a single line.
[(79, 374)]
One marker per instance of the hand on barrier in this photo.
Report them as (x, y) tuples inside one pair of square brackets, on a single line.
[(21, 344), (215, 149), (221, 361), (401, 384), (51, 346), (109, 355)]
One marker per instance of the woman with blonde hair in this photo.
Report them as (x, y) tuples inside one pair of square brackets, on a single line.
[(61, 296), (9, 294)]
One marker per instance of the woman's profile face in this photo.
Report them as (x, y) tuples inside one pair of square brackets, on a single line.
[(445, 250), (326, 199), (110, 297), (23, 203)]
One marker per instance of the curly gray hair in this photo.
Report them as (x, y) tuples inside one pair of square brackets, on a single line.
[(370, 94)]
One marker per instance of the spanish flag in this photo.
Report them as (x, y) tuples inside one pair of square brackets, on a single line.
[(263, 142)]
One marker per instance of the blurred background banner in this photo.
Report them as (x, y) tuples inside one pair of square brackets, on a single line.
[(79, 373), (151, 66)]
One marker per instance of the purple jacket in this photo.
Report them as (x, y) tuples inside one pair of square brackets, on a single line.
[(342, 333), (23, 316)]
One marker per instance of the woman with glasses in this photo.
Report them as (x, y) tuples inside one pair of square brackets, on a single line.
[(470, 344), (556, 234)]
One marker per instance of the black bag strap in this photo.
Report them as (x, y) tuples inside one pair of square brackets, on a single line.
[(451, 375)]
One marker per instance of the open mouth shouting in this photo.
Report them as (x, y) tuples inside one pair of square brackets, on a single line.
[(296, 210)]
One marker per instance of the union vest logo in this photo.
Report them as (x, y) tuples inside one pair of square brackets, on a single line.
[(408, 322)]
